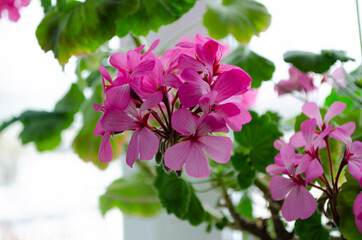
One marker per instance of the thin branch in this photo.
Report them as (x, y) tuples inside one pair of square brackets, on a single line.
[(242, 223)]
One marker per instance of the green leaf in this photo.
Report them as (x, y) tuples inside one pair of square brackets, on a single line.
[(173, 192), (133, 196), (178, 197), (151, 15), (81, 27), (349, 191), (44, 128), (85, 144), (246, 172), (334, 97), (47, 5), (196, 213), (311, 228), (241, 18), (245, 207), (318, 63), (299, 120), (259, 68), (256, 139)]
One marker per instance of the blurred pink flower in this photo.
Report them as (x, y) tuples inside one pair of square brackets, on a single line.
[(298, 81), (13, 8)]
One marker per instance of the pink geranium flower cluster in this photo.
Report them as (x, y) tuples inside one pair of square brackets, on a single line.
[(12, 6), (301, 169), (173, 104)]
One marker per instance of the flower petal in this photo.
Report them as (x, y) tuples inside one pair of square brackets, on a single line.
[(280, 186), (148, 144), (105, 153), (236, 122), (152, 101), (119, 96), (299, 204), (227, 110), (288, 156), (184, 122), (143, 68), (197, 164), (335, 109), (133, 150), (191, 92), (311, 110), (117, 121), (297, 140), (230, 83), (176, 155), (307, 128), (105, 74), (313, 171), (218, 148), (119, 61)]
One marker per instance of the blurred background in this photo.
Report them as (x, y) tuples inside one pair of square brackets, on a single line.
[(54, 195)]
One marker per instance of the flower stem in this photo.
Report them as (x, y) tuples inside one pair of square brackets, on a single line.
[(343, 163), (322, 189), (159, 120), (330, 162)]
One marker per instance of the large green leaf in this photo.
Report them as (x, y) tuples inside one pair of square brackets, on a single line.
[(242, 18), (259, 68), (152, 14), (44, 128), (173, 192), (133, 196), (349, 191), (81, 27), (311, 228), (256, 140), (178, 197), (311, 62)]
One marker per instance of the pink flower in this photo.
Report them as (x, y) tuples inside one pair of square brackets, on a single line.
[(13, 8), (353, 155), (299, 203), (337, 78), (341, 133), (357, 210), (143, 144), (190, 151), (298, 81), (216, 98), (249, 98)]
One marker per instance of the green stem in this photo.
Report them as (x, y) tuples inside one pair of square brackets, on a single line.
[(359, 26)]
